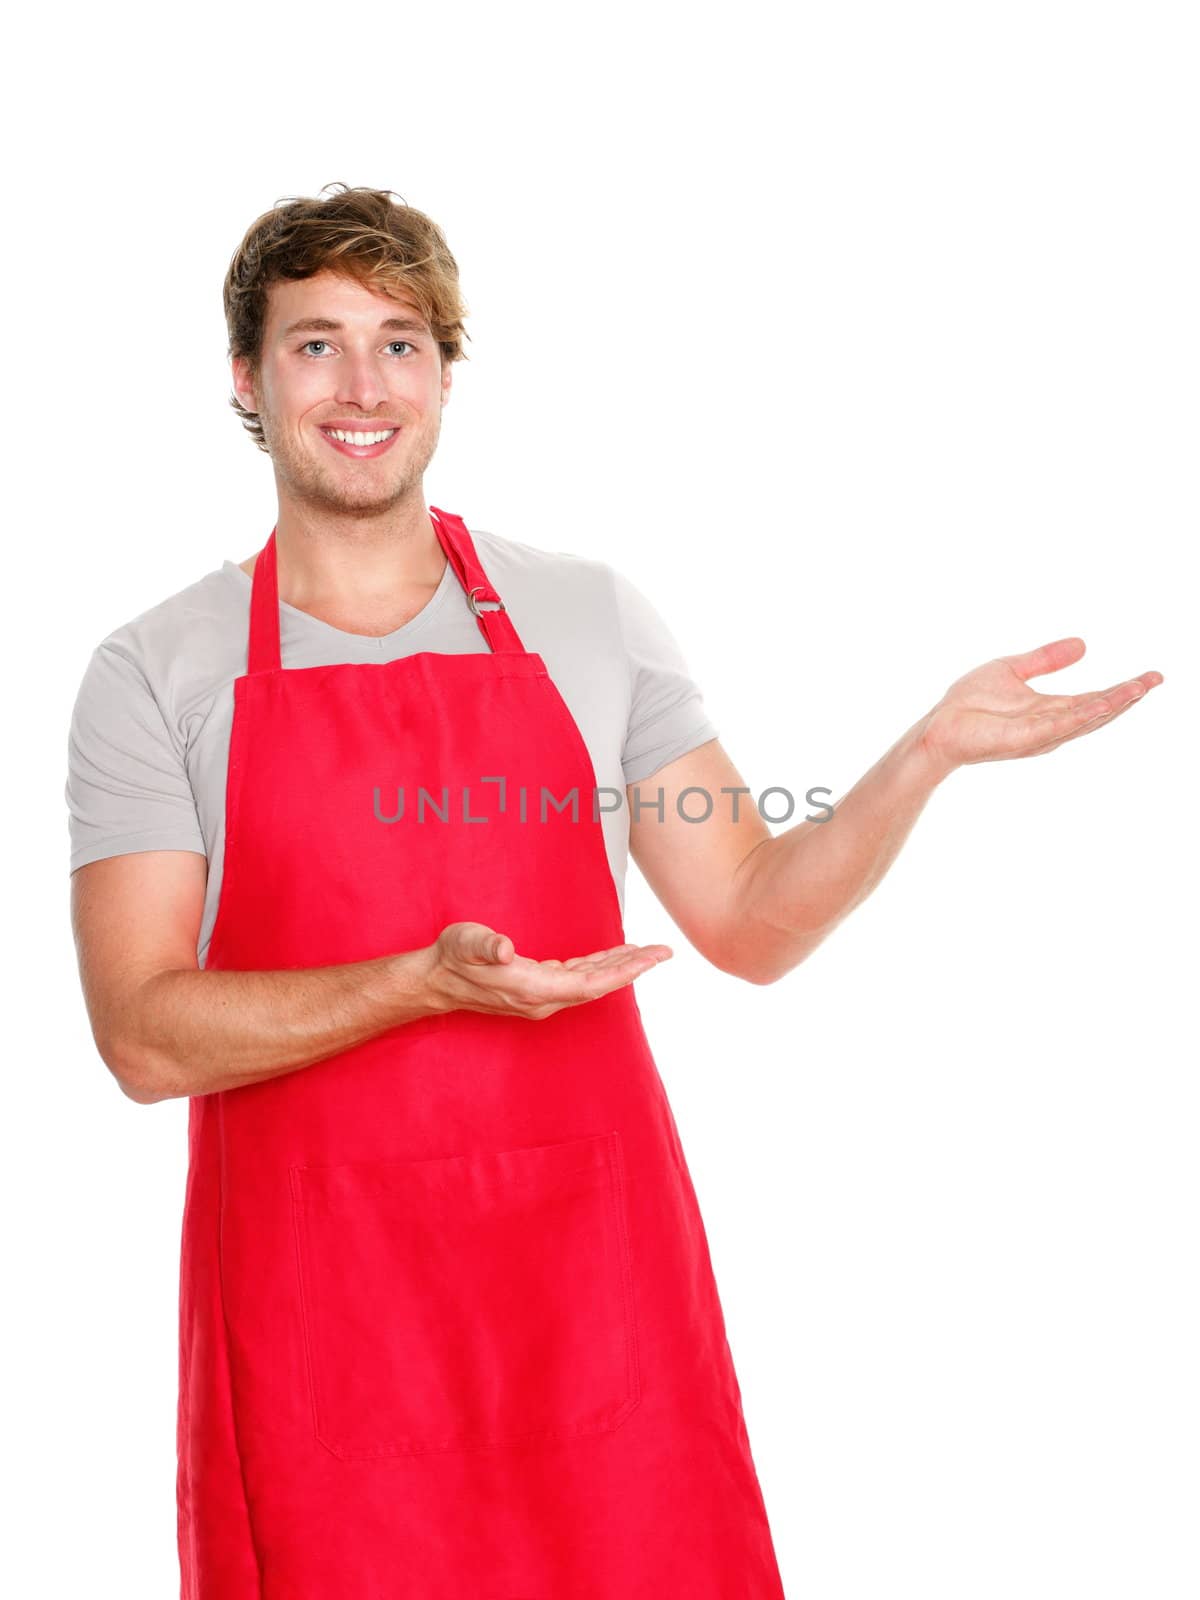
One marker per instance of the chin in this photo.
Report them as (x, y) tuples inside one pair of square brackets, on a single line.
[(362, 504)]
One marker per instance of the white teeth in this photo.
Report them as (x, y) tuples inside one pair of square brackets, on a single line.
[(360, 438)]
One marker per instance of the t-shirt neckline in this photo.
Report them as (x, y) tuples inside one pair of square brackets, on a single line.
[(377, 640)]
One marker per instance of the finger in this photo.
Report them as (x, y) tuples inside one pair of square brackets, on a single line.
[(597, 955), (618, 957), (612, 953), (605, 980), (1145, 680), (1071, 721), (573, 986), (1111, 702), (1117, 694), (1120, 701), (1089, 713), (640, 958), (1046, 658)]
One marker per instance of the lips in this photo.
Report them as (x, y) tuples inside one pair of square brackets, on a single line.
[(360, 452)]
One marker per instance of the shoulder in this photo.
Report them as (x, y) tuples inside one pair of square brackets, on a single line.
[(597, 602), (559, 586), (205, 611), (538, 567), (177, 651)]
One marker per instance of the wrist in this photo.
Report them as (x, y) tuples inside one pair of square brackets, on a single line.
[(926, 751), (415, 983)]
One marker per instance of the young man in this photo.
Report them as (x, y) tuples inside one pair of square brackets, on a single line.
[(344, 875)]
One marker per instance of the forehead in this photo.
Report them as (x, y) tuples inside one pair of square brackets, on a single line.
[(329, 302)]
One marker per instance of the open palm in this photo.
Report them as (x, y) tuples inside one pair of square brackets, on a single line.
[(991, 714)]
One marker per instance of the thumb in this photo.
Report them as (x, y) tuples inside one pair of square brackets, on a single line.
[(488, 945)]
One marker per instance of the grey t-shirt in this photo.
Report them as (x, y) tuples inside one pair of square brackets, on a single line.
[(149, 739)]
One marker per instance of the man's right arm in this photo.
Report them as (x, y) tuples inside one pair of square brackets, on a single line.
[(166, 1028)]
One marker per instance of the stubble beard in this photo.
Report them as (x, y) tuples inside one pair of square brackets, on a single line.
[(319, 490)]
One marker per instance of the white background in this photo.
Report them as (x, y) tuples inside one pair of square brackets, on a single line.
[(864, 340)]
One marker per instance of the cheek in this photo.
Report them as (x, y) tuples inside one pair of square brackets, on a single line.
[(419, 390), (295, 389)]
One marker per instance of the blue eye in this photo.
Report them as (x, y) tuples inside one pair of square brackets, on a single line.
[(324, 344)]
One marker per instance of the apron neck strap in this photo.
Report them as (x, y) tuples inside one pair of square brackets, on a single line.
[(489, 609)]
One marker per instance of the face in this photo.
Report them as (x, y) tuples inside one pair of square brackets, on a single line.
[(338, 358)]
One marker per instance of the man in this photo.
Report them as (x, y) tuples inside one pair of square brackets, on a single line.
[(343, 877)]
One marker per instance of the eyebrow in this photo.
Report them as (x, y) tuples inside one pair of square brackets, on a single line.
[(327, 325)]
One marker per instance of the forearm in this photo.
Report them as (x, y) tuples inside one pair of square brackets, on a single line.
[(792, 890), (195, 1032)]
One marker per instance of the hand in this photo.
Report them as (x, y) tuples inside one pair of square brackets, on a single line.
[(991, 714), (474, 968)]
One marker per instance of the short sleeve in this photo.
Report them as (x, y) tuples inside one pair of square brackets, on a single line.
[(127, 785), (667, 716)]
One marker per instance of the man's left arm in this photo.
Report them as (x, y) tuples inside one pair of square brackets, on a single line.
[(755, 904)]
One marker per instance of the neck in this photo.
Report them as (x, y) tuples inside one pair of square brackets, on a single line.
[(343, 563)]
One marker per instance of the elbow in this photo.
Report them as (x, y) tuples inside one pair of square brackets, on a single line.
[(761, 979), (759, 968), (762, 976), (141, 1076), (760, 960), (743, 941), (140, 1092)]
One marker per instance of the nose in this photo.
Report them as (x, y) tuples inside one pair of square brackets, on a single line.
[(360, 383)]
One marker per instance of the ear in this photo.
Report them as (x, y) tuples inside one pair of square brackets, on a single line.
[(243, 384), (447, 376)]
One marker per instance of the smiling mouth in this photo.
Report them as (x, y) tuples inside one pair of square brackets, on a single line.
[(360, 443)]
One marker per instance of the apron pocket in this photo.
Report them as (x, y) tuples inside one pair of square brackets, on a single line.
[(469, 1301)]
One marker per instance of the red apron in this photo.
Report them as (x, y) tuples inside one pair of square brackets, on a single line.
[(448, 1323)]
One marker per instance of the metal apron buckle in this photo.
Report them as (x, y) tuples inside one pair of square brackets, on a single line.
[(496, 605)]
